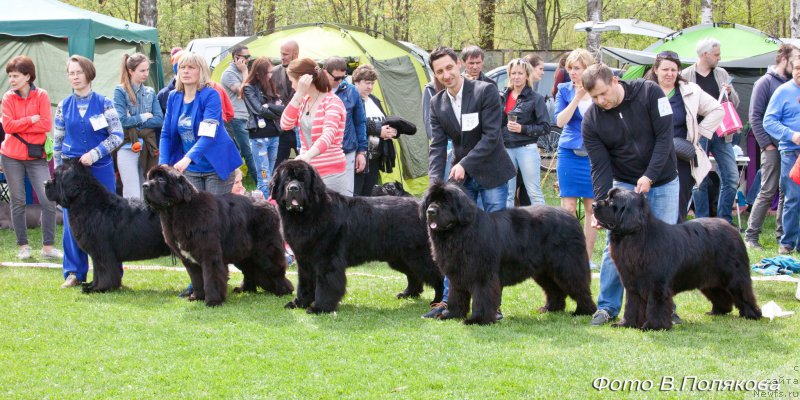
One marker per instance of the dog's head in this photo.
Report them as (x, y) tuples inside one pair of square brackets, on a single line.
[(70, 180), (390, 189), (296, 186), (166, 187), (622, 211), (445, 206)]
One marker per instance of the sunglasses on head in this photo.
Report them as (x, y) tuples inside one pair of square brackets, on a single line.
[(668, 54)]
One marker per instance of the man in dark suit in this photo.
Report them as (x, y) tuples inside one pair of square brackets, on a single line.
[(469, 113)]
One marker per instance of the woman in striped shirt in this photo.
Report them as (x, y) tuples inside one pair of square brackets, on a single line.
[(320, 117)]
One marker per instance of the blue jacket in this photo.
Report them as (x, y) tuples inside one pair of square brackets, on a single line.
[(355, 130), (571, 133), (782, 118), (220, 150), (163, 95)]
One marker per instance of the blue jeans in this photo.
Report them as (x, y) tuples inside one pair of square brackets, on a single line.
[(664, 203), (265, 152), (728, 177), (526, 160), (242, 140), (791, 202), (492, 200)]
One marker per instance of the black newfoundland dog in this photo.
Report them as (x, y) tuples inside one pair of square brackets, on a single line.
[(209, 232), (329, 232), (483, 252), (657, 260), (109, 228)]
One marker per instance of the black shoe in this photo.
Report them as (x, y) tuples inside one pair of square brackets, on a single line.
[(676, 320), (499, 315), (186, 292)]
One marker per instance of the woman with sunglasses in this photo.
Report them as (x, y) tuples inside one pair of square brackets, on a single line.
[(688, 102), (574, 169), (525, 118)]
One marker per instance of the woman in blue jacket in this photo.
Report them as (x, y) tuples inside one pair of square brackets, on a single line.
[(574, 170), (86, 127), (140, 115), (193, 138)]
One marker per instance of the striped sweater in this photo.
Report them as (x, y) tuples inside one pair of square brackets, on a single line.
[(327, 132)]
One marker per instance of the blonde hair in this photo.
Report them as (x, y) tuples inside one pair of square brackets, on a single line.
[(525, 67), (580, 55), (198, 61)]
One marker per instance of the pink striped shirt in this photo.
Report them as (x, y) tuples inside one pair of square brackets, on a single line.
[(327, 132)]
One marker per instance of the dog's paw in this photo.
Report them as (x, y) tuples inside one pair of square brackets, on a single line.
[(623, 324), (214, 303), (476, 321), (317, 310), (405, 295)]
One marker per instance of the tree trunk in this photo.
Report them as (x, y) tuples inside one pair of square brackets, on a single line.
[(271, 16), (148, 12), (706, 16), (486, 29), (230, 17), (594, 12), (794, 19), (686, 14), (244, 18), (542, 34)]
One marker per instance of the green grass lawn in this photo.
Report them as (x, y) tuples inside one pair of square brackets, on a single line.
[(144, 342)]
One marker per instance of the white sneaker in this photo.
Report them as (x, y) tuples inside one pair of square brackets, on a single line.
[(52, 253), (24, 253), (797, 293)]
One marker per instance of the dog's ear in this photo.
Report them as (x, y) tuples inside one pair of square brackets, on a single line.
[(425, 203), (631, 211), (187, 190), (276, 183), (464, 208), (314, 185)]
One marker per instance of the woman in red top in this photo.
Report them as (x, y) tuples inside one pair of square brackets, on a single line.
[(27, 118), (320, 117)]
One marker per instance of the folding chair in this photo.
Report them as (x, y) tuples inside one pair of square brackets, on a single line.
[(4, 196)]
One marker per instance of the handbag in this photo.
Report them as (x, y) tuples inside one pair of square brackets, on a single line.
[(34, 150), (731, 122), (684, 149), (794, 174)]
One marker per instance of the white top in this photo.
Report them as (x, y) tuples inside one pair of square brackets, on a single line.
[(455, 101), (584, 105)]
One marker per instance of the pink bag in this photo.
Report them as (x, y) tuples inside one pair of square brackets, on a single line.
[(731, 122)]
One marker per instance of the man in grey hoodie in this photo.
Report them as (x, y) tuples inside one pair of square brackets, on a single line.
[(776, 75)]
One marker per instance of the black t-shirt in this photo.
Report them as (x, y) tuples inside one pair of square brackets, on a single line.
[(709, 85)]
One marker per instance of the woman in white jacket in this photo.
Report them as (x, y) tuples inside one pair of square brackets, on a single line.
[(694, 113)]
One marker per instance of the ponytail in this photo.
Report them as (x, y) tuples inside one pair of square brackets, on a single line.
[(307, 66), (130, 62)]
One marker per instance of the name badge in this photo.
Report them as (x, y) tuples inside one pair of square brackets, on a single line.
[(664, 108), (98, 122), (208, 129), (469, 121)]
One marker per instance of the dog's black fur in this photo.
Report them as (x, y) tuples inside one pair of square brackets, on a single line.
[(482, 252), (390, 189), (209, 232), (109, 228), (330, 232), (657, 260)]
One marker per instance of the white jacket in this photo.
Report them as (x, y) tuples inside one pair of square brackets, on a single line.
[(699, 103)]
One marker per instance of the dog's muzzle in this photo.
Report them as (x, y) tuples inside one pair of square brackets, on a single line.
[(293, 190)]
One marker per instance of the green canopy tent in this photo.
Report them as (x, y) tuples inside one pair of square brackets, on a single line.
[(746, 54), (401, 79), (50, 31)]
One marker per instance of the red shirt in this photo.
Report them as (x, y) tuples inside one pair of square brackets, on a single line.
[(510, 103), (227, 106), (17, 114)]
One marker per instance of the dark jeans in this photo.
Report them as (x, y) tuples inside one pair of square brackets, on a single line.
[(686, 183), (287, 142), (365, 181)]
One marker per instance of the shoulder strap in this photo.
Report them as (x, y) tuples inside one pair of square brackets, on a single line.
[(20, 139)]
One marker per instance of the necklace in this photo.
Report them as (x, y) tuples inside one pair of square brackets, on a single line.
[(308, 110)]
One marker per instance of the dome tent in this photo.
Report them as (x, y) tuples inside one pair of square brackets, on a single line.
[(50, 31), (402, 76)]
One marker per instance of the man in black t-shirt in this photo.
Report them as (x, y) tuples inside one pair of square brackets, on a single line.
[(714, 80)]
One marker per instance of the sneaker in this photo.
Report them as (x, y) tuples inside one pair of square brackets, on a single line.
[(785, 250), (676, 320), (601, 317), (436, 311), (72, 280), (751, 244), (186, 292), (24, 253), (52, 253), (499, 315)]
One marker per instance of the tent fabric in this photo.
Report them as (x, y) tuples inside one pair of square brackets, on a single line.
[(401, 79), (80, 27)]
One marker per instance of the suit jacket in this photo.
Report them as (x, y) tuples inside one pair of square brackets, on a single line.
[(480, 150)]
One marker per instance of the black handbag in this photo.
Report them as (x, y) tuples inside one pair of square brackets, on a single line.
[(34, 150), (684, 149)]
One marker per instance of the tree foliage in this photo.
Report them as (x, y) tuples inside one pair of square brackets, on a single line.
[(450, 22)]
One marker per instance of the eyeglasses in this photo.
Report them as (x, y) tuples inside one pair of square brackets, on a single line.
[(74, 73), (246, 56), (668, 54)]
